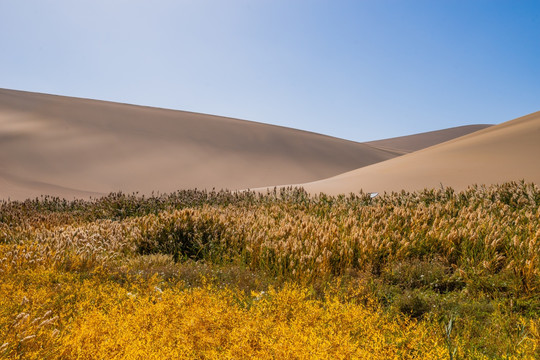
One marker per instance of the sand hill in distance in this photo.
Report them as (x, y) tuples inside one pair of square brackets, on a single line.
[(410, 143), (80, 148)]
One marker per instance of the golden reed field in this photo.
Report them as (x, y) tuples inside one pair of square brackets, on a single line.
[(436, 274)]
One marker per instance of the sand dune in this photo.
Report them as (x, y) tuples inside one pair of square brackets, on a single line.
[(410, 143), (506, 152), (72, 147)]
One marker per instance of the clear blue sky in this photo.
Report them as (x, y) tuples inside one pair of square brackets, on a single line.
[(360, 70)]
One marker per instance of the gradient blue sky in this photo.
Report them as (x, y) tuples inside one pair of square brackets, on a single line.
[(360, 70)]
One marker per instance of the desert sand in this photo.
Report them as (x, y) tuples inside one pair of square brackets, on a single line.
[(410, 143), (73, 147), (81, 148), (506, 152)]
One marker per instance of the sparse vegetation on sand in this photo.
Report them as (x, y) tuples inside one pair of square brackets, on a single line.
[(435, 274)]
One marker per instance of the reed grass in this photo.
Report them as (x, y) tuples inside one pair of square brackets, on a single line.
[(196, 274)]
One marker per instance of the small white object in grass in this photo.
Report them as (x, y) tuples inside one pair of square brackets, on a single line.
[(374, 194)]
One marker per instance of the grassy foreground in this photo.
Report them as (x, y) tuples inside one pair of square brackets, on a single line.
[(430, 275)]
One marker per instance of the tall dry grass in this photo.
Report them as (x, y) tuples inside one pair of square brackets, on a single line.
[(80, 279)]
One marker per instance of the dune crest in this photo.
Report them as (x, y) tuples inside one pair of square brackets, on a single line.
[(506, 152), (410, 143), (72, 147)]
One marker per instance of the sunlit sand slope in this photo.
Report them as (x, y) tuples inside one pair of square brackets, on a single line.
[(73, 147), (506, 152)]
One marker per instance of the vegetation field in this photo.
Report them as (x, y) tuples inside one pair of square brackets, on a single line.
[(219, 275)]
